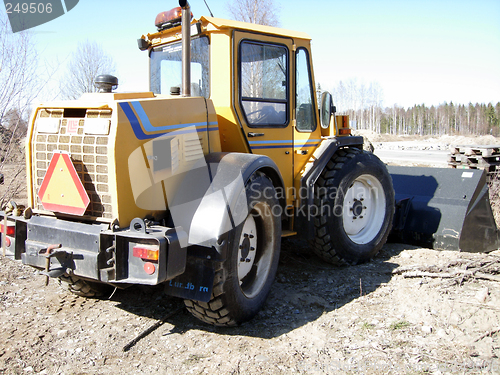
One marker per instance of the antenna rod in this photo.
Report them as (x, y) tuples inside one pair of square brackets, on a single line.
[(211, 14)]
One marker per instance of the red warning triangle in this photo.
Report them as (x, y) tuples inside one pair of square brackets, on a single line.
[(61, 189)]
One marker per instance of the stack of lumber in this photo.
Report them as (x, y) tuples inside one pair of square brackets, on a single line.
[(476, 157)]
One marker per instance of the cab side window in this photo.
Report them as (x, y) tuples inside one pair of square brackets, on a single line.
[(305, 114), (264, 84)]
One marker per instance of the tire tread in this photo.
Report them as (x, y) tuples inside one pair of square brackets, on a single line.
[(218, 311), (80, 287), (322, 246)]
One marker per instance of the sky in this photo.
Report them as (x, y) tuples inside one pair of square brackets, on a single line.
[(419, 52)]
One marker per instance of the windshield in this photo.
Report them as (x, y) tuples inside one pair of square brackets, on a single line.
[(166, 68)]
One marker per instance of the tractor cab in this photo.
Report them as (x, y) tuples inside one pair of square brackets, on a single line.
[(261, 82)]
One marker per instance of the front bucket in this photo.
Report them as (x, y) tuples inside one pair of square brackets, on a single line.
[(441, 208)]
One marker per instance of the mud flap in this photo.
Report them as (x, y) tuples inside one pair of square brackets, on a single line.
[(442, 208), (195, 283)]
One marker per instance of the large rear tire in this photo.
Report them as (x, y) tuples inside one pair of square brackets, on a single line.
[(83, 288), (355, 198), (243, 281)]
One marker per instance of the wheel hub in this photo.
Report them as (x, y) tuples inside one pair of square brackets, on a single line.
[(364, 209), (357, 208), (247, 246)]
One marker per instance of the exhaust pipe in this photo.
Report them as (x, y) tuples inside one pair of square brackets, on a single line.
[(186, 47)]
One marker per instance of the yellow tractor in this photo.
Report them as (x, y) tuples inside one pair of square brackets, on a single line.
[(194, 183)]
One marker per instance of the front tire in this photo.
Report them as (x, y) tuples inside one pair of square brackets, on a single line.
[(355, 198), (243, 281)]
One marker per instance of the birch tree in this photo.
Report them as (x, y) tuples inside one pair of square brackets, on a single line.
[(20, 83), (255, 11), (85, 64)]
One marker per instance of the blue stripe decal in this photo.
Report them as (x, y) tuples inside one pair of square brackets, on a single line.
[(283, 146), (150, 128), (143, 117), (263, 142), (139, 133), (257, 145), (306, 145), (261, 147), (285, 141), (136, 127)]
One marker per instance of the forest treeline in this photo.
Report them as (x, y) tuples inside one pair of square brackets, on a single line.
[(363, 104)]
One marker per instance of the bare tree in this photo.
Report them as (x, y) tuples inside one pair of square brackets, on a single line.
[(86, 63), (255, 11), (18, 64), (19, 86), (362, 102)]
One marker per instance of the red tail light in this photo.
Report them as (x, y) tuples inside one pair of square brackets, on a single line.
[(11, 230), (146, 252)]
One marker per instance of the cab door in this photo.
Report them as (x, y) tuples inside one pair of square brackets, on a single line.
[(262, 98), (306, 132)]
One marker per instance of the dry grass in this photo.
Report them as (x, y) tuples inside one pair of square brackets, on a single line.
[(12, 166)]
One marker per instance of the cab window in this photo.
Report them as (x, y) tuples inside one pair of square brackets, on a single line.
[(264, 84), (305, 114), (166, 67)]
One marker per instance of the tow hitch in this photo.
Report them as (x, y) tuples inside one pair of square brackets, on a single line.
[(63, 256)]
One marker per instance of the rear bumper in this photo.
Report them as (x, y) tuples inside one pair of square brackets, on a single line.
[(95, 252)]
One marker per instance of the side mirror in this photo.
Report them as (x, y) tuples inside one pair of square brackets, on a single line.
[(327, 109)]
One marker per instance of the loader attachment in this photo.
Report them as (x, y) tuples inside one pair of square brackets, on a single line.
[(442, 208)]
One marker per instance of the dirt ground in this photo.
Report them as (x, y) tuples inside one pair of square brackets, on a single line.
[(409, 311), (394, 315)]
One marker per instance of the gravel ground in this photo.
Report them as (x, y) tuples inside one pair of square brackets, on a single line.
[(393, 315)]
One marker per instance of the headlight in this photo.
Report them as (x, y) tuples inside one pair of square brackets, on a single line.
[(48, 125), (98, 126)]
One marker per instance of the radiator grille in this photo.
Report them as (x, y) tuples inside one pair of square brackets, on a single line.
[(89, 155), (193, 148)]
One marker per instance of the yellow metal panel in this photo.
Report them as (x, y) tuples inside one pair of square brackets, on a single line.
[(210, 24), (97, 100), (236, 25), (29, 152), (214, 144), (96, 97), (125, 173), (179, 122), (231, 136), (221, 78), (331, 131), (146, 193)]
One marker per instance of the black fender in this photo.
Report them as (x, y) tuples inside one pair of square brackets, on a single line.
[(224, 206), (210, 218), (248, 164), (322, 155)]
